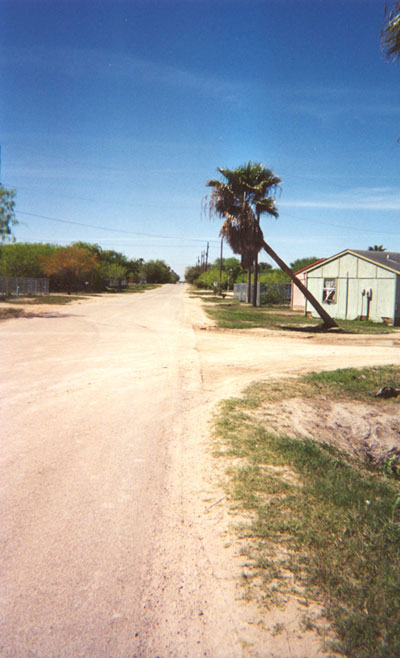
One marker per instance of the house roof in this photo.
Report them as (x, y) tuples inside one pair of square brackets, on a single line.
[(389, 260)]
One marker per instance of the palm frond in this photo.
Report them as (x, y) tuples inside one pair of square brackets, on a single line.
[(390, 35)]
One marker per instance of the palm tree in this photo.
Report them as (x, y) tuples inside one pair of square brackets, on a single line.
[(377, 247), (241, 201), (390, 35), (243, 198), (264, 180)]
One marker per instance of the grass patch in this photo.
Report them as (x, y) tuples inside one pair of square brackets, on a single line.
[(61, 299), (137, 287), (353, 383), (322, 524), (346, 383), (231, 314)]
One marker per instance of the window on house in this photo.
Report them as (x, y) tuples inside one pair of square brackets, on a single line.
[(329, 291)]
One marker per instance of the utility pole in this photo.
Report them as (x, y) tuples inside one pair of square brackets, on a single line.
[(208, 245)]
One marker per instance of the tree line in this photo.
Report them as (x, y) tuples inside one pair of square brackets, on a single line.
[(80, 266), (222, 275)]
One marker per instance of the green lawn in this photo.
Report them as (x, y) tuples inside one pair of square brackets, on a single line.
[(228, 313)]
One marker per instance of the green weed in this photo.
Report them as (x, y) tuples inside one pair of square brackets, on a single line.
[(319, 520), (231, 314)]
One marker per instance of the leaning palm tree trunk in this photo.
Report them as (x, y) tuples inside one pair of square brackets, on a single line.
[(328, 321)]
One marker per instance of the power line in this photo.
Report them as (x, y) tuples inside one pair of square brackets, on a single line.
[(114, 230)]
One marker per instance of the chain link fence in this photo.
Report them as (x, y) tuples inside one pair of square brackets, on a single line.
[(267, 293), (18, 285)]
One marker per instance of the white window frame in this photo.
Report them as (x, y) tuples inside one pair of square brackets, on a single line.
[(329, 290)]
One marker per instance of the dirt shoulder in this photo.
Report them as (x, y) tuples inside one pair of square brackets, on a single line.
[(230, 361)]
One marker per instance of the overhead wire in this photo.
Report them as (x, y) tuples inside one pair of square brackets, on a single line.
[(115, 230)]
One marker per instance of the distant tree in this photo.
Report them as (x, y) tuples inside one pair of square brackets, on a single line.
[(92, 247), (68, 267), (390, 34), (113, 274), (264, 267), (24, 258), (275, 275), (110, 257), (377, 247), (299, 263), (7, 213), (134, 267), (192, 273), (115, 257), (211, 277), (157, 271)]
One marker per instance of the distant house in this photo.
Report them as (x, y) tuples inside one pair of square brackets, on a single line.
[(297, 299), (357, 285)]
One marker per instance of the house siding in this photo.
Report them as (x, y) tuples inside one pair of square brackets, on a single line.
[(353, 276), (397, 303), (297, 299)]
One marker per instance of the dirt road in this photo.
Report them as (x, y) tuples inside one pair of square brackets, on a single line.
[(113, 539)]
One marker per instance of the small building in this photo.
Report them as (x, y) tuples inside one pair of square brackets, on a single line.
[(297, 299), (357, 285)]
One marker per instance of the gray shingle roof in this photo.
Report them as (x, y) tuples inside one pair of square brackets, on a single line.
[(389, 259)]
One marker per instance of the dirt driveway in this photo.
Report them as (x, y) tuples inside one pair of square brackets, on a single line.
[(115, 541)]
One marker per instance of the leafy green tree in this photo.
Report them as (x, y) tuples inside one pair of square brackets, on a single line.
[(134, 267), (240, 203), (390, 34), (108, 257), (113, 273), (7, 213), (69, 267), (91, 247), (157, 271), (264, 267), (192, 273), (24, 258), (377, 247), (299, 263), (210, 277)]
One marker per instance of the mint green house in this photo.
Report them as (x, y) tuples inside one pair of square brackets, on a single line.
[(357, 285)]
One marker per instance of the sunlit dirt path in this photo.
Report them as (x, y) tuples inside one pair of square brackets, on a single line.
[(97, 556), (112, 540)]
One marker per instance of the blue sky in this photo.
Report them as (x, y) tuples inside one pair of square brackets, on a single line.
[(115, 113)]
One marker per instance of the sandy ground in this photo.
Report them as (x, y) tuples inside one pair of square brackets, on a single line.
[(116, 538)]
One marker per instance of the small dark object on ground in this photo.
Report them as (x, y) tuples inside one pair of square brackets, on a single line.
[(388, 392)]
